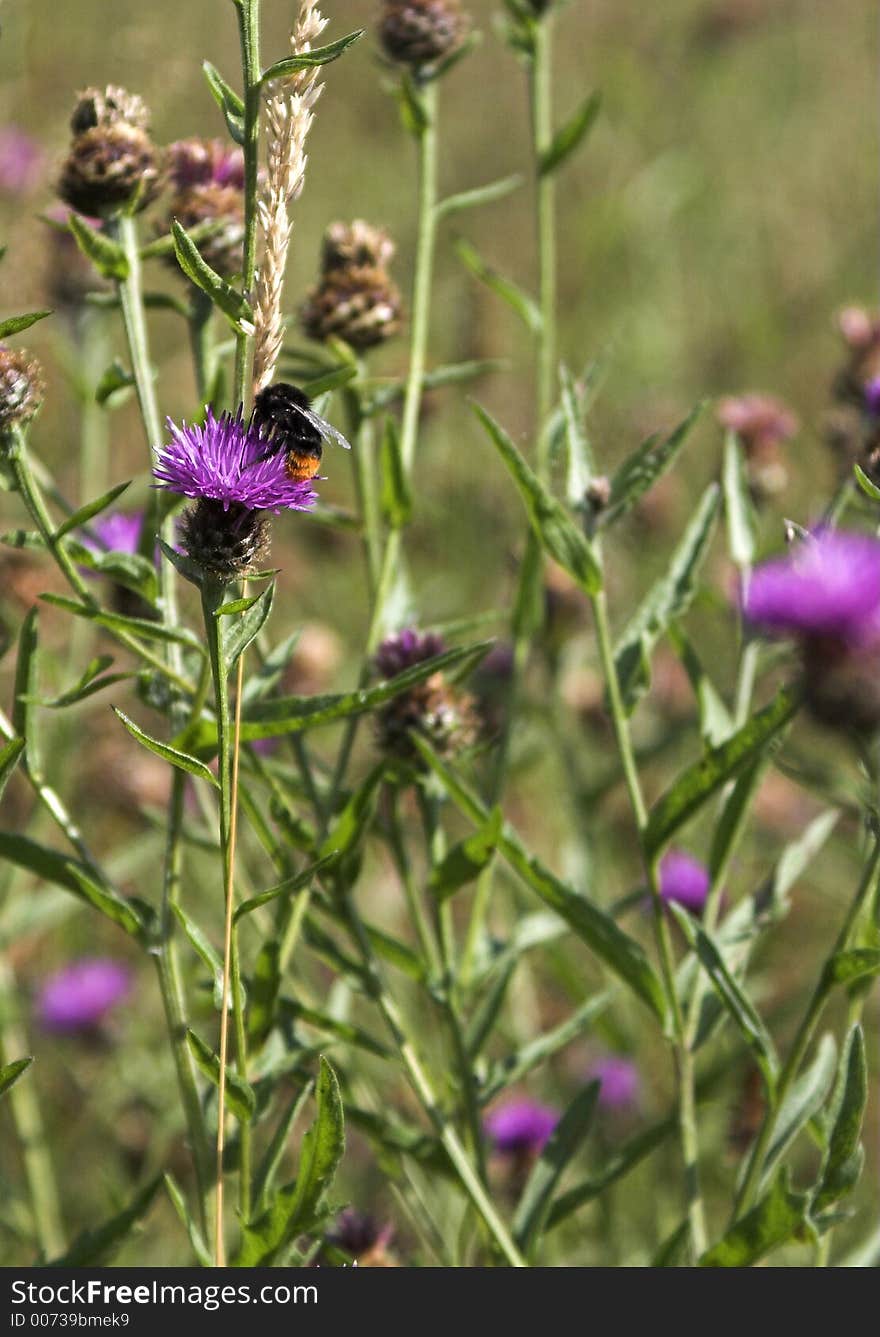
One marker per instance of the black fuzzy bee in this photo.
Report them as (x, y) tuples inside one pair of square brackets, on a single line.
[(285, 419)]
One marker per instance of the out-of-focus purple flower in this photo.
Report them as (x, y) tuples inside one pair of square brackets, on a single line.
[(521, 1126), (119, 532), (828, 587), (79, 996), (358, 1233), (406, 649), (21, 161), (229, 461), (619, 1079), (872, 396), (684, 879), (204, 162), (761, 421)]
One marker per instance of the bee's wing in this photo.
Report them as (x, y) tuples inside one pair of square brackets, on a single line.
[(328, 432)]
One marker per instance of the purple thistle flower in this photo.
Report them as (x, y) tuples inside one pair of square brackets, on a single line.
[(119, 532), (21, 161), (828, 587), (406, 649), (228, 460), (684, 879), (619, 1081), (521, 1126), (204, 162), (872, 396), (77, 997)]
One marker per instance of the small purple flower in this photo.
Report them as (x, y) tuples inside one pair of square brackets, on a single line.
[(21, 161), (872, 396), (521, 1126), (828, 587), (684, 879), (406, 649), (77, 997), (619, 1081), (119, 532), (227, 460), (204, 162)]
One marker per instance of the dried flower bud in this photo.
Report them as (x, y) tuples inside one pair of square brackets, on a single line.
[(223, 206), (444, 714), (108, 106), (229, 541), (355, 244), (112, 163), (419, 33), (359, 304), (598, 493), (21, 388)]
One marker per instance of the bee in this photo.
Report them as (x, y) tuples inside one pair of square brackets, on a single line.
[(289, 425)]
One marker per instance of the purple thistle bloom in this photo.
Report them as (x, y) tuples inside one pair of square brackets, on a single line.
[(77, 997), (520, 1126), (619, 1081), (406, 649), (204, 162), (21, 161), (119, 532), (227, 460), (872, 396), (828, 587), (684, 879)]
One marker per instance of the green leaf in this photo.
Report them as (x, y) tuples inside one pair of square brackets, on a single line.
[(231, 303), (413, 112), (293, 714), (265, 981), (330, 380), (94, 1247), (309, 60), (75, 876), (10, 1072), (615, 1166), (870, 489), (534, 1206), (557, 532), (567, 139), (296, 1208), (738, 507), (229, 102), (9, 758), (513, 1067), (669, 598), (621, 953), (472, 199), (715, 721), (352, 824), (199, 1247), (115, 386), (525, 306), (844, 1157), (806, 1098), (25, 688), (88, 683), (332, 1027), (452, 374), (85, 513), (106, 255), (466, 860), (274, 1153), (139, 626), (205, 951), (774, 1220), (246, 626), (287, 887), (731, 992), (182, 760), (854, 964), (396, 494), (641, 470), (581, 463), (720, 764), (674, 1250), (15, 324), (239, 1094)]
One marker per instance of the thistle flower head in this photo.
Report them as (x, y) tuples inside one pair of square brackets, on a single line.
[(872, 396), (827, 587), (354, 244), (204, 162), (406, 649), (78, 997), (619, 1082), (226, 459), (520, 1126), (420, 33), (21, 162), (207, 180), (440, 711), (112, 161), (108, 106), (684, 879), (21, 388), (119, 532), (359, 304), (361, 1236), (762, 422)]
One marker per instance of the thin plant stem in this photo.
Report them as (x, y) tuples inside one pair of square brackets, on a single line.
[(249, 37), (423, 281), (540, 88), (752, 1179), (363, 473)]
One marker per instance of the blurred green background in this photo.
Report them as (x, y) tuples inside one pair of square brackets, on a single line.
[(722, 212)]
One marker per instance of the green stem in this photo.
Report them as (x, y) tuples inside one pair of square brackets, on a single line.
[(27, 1118), (540, 88), (202, 343), (752, 1180), (363, 472), (424, 268), (249, 37)]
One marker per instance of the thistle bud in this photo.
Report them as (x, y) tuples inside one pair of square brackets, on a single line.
[(228, 541), (112, 161), (444, 714), (207, 181), (419, 33), (355, 299), (21, 388)]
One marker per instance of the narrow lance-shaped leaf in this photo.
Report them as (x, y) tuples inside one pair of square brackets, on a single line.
[(396, 495), (245, 626), (472, 199), (239, 1094), (738, 507), (227, 100), (199, 1247), (700, 781), (15, 324), (565, 1140), (94, 1247), (777, 1217), (76, 877), (9, 758), (10, 1072), (91, 509), (525, 306), (557, 532), (106, 255), (641, 470), (231, 303), (844, 1156), (182, 760), (805, 1099), (870, 489), (466, 860), (567, 139), (308, 60), (669, 598)]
